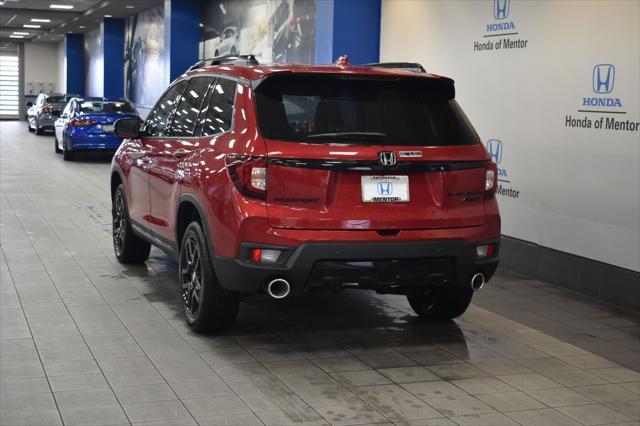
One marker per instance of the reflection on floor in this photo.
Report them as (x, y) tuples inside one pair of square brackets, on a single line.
[(85, 340)]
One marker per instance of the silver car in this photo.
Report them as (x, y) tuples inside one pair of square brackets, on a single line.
[(43, 113)]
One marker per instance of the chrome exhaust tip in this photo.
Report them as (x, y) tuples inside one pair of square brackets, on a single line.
[(477, 281), (278, 288)]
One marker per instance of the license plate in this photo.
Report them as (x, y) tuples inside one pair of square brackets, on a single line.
[(385, 189), (107, 127)]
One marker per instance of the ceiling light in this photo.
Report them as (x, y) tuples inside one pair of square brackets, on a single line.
[(20, 33), (108, 16), (130, 7), (32, 26), (61, 6), (82, 26), (16, 36), (40, 20)]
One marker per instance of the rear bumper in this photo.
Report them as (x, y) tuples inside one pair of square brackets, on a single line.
[(100, 141), (387, 267), (46, 121)]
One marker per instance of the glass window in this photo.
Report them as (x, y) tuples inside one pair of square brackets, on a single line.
[(57, 99), (219, 112), (158, 118), (366, 111), (186, 115), (105, 107)]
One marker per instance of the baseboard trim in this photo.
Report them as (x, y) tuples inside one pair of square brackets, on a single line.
[(597, 279)]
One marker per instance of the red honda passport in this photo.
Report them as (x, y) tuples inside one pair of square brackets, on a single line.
[(282, 179)]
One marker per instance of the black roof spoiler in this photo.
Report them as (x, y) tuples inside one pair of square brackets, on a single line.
[(243, 60), (407, 66)]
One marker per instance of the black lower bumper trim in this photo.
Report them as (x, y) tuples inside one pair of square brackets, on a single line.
[(453, 260)]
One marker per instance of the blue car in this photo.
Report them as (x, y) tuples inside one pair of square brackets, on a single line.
[(86, 124)]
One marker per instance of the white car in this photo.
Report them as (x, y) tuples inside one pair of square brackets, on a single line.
[(229, 42)]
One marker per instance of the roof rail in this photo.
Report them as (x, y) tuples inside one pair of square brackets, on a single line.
[(226, 60), (407, 66)]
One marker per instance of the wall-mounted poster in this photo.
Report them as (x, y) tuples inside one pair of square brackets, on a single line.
[(144, 63), (273, 30)]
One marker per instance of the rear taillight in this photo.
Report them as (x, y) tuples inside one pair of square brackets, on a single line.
[(47, 109), (491, 179), (249, 175), (485, 250), (77, 122)]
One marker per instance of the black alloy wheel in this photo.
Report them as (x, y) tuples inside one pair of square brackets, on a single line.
[(191, 277), (127, 246), (207, 306), (119, 223)]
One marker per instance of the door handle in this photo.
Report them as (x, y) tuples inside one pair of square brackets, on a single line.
[(179, 153)]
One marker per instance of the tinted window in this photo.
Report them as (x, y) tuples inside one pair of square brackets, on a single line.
[(219, 112), (58, 99), (186, 115), (325, 109), (105, 107), (157, 120)]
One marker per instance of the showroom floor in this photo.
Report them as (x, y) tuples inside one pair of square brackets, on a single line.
[(85, 340)]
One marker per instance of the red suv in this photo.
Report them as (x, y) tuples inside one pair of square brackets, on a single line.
[(280, 179)]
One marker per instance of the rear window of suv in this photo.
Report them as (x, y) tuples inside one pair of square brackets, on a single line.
[(366, 111)]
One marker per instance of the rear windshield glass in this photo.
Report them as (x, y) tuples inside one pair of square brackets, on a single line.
[(99, 106), (364, 111), (58, 99)]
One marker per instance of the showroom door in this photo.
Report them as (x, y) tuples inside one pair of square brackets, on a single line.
[(178, 143), (9, 81)]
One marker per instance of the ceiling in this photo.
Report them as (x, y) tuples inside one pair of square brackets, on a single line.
[(85, 15)]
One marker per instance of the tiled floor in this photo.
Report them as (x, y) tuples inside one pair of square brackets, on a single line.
[(87, 341)]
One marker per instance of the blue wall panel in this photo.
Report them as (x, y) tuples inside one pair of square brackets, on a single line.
[(356, 30), (113, 60), (74, 58), (182, 35)]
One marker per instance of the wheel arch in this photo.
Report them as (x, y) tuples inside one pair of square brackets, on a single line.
[(190, 208), (116, 180)]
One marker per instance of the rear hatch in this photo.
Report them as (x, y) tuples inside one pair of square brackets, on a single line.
[(348, 153)]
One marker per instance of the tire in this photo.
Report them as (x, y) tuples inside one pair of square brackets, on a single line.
[(442, 305), (127, 246), (39, 131), (207, 306), (56, 148), (67, 154), (29, 125)]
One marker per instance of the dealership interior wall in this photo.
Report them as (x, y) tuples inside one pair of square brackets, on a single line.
[(567, 155)]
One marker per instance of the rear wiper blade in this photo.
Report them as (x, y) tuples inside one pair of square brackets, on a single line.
[(349, 135)]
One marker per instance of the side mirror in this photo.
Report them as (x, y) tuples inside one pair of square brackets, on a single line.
[(128, 128), (29, 104)]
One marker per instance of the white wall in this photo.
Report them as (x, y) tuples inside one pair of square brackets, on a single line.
[(579, 188), (62, 68), (41, 67), (93, 63)]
